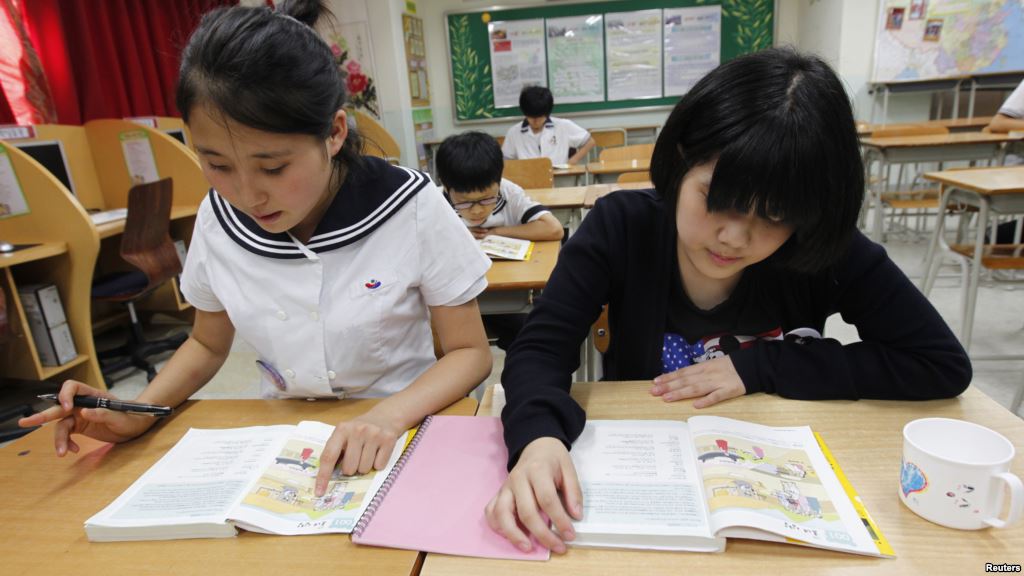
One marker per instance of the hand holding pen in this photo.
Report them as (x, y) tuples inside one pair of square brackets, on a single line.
[(74, 415)]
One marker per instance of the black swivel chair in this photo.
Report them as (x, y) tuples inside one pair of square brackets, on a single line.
[(146, 244)]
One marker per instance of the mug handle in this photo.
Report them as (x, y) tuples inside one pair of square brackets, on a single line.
[(1016, 501)]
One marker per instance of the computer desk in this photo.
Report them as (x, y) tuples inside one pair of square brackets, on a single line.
[(49, 499), (865, 437)]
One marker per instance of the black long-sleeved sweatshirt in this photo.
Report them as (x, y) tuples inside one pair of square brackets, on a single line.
[(624, 254)]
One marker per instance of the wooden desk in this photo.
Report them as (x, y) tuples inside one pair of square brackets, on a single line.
[(570, 176), (605, 172), (972, 124), (595, 191), (50, 498), (566, 203), (866, 439), (970, 146), (510, 284), (999, 190)]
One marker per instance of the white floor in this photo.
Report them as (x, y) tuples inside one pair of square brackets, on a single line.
[(999, 329)]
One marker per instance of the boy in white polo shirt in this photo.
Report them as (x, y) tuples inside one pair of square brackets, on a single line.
[(542, 135), (469, 166)]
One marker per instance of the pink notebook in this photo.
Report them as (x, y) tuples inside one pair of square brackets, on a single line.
[(435, 497)]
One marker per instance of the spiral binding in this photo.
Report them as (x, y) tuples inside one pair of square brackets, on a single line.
[(385, 487)]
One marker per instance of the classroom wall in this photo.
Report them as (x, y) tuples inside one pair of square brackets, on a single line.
[(433, 11)]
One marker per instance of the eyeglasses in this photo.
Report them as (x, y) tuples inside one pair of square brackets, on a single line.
[(467, 205)]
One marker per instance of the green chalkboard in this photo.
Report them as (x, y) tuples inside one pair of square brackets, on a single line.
[(746, 26)]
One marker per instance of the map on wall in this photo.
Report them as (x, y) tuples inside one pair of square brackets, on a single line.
[(931, 39)]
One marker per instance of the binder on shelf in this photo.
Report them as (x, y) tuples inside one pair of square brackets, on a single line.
[(48, 324)]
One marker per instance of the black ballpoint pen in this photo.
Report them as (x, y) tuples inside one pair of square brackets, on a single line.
[(119, 405)]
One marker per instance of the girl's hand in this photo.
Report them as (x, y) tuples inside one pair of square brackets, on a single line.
[(709, 382), (543, 482), (479, 233), (358, 445), (99, 423)]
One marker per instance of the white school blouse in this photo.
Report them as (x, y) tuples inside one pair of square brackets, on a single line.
[(1014, 105), (553, 141), (344, 315)]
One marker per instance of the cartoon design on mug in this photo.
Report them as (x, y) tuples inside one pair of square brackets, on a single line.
[(959, 496), (912, 479)]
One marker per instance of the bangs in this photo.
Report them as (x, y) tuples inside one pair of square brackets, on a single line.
[(769, 169)]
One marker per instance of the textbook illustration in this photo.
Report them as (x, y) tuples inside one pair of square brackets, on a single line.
[(504, 248), (259, 479), (690, 485), (286, 488)]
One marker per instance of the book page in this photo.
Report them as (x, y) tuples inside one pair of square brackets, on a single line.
[(777, 480), (282, 500), (198, 481), (639, 477), (504, 248)]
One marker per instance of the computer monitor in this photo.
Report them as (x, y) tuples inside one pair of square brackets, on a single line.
[(50, 153), (178, 134)]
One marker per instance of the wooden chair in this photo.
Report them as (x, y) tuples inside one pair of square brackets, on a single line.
[(530, 173), (376, 139), (627, 177), (500, 139), (146, 245), (634, 152), (607, 138)]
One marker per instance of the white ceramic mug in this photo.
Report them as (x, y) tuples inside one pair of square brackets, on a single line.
[(954, 473)]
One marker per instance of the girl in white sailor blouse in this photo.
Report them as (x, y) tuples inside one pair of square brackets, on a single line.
[(331, 265)]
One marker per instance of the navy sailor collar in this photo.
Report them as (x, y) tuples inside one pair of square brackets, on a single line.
[(370, 195), (525, 126)]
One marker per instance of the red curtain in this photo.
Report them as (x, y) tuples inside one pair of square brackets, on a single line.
[(112, 58)]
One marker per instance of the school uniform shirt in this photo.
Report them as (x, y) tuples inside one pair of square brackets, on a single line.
[(552, 142), (514, 207), (345, 314), (1014, 105), (624, 254)]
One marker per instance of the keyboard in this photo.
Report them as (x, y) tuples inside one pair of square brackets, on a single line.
[(108, 216)]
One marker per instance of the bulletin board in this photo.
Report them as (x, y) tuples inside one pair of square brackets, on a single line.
[(596, 55)]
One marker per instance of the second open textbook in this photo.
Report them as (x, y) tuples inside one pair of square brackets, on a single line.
[(672, 485)]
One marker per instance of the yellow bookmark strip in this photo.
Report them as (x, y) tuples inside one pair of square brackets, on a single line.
[(883, 545)]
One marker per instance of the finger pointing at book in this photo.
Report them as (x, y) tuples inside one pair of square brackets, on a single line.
[(357, 446), (543, 483)]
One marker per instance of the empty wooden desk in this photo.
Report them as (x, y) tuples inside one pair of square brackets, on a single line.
[(999, 190), (49, 499), (964, 146), (570, 175), (605, 172), (565, 203), (866, 439)]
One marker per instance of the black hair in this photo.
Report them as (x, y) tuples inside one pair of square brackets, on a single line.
[(267, 70), (781, 128), (536, 101), (469, 162)]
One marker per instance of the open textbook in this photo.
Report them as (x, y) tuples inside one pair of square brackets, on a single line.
[(505, 248), (259, 478), (671, 485)]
